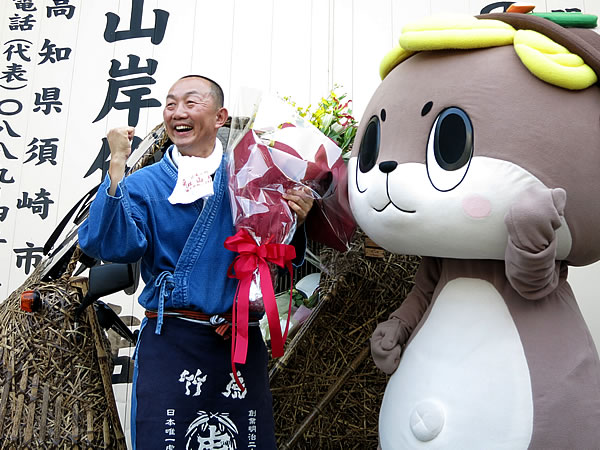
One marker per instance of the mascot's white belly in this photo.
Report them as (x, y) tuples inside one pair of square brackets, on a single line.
[(463, 380)]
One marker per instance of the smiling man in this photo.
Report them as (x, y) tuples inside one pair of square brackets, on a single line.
[(175, 216), (193, 112)]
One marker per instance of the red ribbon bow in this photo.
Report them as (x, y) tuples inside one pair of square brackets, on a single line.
[(244, 265)]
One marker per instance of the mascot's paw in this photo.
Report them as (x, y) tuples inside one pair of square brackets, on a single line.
[(533, 220), (385, 345)]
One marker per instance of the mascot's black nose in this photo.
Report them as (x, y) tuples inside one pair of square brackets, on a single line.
[(387, 166)]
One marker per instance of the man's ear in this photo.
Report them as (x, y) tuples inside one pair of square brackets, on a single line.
[(222, 116)]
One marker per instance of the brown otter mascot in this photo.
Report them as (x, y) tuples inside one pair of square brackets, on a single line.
[(480, 151)]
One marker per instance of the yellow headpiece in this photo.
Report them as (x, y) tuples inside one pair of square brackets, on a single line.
[(543, 57)]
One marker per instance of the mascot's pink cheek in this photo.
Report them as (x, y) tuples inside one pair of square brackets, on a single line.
[(476, 206)]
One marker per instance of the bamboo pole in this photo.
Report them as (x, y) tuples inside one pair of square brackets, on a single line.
[(333, 390)]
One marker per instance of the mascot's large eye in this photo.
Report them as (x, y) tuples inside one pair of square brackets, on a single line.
[(369, 146), (449, 149)]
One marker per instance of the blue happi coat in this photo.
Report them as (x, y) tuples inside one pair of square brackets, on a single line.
[(184, 264), (188, 392), (183, 376)]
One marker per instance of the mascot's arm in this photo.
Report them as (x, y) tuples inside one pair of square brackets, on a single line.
[(530, 256), (389, 336)]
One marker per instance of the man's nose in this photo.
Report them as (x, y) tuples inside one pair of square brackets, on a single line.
[(179, 111)]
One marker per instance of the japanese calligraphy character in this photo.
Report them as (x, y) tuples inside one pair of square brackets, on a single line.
[(3, 212), (135, 102), (18, 23), (252, 413), (2, 241), (28, 256), (170, 422), (3, 177), (60, 8), (155, 34), (46, 151), (14, 72), (9, 130), (24, 5), (192, 379), (170, 412), (170, 431), (102, 160), (212, 430), (17, 47), (39, 205), (133, 67), (4, 112), (50, 52), (11, 133), (170, 447), (48, 99), (233, 389), (7, 154)]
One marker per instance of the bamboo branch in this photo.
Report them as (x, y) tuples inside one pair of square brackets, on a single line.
[(333, 390)]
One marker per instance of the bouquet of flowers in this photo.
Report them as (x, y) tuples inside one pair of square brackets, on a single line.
[(333, 116), (272, 149)]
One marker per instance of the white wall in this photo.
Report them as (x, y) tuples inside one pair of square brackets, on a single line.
[(296, 48)]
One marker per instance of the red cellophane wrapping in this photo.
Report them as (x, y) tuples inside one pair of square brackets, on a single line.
[(271, 151)]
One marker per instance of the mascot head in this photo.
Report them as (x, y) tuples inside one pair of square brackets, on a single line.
[(471, 113)]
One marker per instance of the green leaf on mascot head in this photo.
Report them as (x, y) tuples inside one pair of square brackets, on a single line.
[(570, 19)]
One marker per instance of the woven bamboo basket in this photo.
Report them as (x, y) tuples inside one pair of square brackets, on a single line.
[(55, 374), (326, 390)]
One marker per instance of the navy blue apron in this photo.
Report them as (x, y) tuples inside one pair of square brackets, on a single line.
[(185, 395)]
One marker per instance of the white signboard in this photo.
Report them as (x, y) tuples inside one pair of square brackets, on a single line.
[(72, 69)]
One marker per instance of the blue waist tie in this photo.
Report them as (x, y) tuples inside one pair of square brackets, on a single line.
[(167, 284)]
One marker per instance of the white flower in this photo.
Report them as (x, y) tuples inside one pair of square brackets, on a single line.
[(327, 119), (337, 127)]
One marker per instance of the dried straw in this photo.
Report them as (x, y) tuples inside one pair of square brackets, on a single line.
[(326, 390), (55, 373)]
